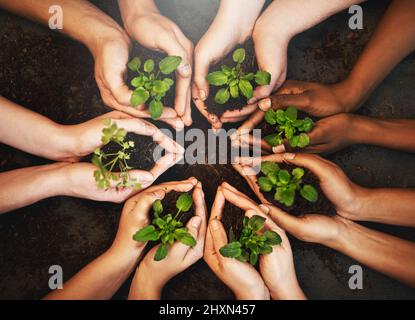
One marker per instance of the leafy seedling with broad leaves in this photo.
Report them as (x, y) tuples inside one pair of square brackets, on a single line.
[(150, 85), (285, 184), (108, 162), (167, 228), (252, 242), (235, 80), (288, 127)]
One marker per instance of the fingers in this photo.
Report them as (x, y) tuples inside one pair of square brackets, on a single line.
[(269, 223), (287, 222), (218, 234), (237, 198), (201, 86), (136, 126), (141, 203), (281, 101), (179, 186), (193, 226), (201, 210), (249, 124), (238, 115), (250, 176), (187, 117), (201, 106), (218, 205), (167, 143)]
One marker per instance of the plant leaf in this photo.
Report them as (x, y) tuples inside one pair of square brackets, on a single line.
[(145, 234), (185, 237), (272, 238), (303, 140), (222, 96), (157, 207), (239, 55), (139, 97), (156, 109), (234, 92), (263, 78), (169, 64), (309, 193), (273, 139), (265, 184), (284, 177), (134, 64), (253, 258), (217, 78), (246, 88), (149, 66), (231, 250), (256, 222), (291, 113), (161, 252), (298, 173), (268, 167), (184, 202), (271, 117)]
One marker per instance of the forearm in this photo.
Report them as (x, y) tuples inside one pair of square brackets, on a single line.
[(392, 41), (390, 206), (389, 255), (82, 21), (31, 132), (99, 280), (292, 292), (144, 288), (22, 187), (307, 13), (130, 8), (393, 134)]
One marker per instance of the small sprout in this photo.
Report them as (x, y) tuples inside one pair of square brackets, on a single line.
[(235, 80), (150, 84), (167, 229), (107, 163), (288, 127), (285, 184), (252, 242)]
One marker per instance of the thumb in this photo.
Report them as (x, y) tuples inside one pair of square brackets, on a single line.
[(282, 219), (201, 71), (144, 201), (193, 226), (218, 234)]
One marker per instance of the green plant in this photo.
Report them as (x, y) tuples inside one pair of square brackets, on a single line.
[(167, 228), (288, 127), (251, 243), (236, 80), (285, 184), (149, 84), (107, 162)]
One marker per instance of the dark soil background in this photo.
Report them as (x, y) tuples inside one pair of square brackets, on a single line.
[(53, 75)]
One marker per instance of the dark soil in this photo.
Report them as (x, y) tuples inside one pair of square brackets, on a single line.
[(302, 206), (249, 65)]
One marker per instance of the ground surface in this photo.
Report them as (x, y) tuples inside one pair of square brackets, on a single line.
[(53, 75)]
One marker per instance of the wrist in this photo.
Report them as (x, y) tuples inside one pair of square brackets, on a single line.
[(145, 287), (290, 291), (135, 9), (258, 293)]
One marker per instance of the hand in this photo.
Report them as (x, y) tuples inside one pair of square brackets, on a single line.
[(111, 55), (241, 278), (135, 215), (86, 137), (223, 35), (277, 268), (151, 276), (347, 197), (315, 99), (144, 23)]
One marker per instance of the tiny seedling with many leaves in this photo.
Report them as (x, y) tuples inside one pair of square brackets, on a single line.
[(150, 85), (285, 184), (288, 127), (167, 228), (252, 242), (235, 80), (109, 162)]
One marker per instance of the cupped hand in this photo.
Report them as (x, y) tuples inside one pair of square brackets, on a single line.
[(152, 275), (225, 33), (135, 214), (346, 196), (156, 32), (241, 278)]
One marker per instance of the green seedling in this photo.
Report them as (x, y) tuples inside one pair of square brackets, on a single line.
[(149, 83), (252, 242), (235, 80), (285, 184), (108, 162), (288, 127), (167, 228)]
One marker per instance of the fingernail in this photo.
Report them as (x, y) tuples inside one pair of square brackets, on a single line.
[(265, 104), (289, 156), (215, 225), (278, 149), (264, 208), (202, 95), (196, 221)]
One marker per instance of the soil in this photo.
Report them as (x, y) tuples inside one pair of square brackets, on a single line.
[(302, 206), (37, 72), (249, 65)]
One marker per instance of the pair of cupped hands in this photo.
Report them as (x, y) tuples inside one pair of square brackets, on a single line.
[(276, 277)]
